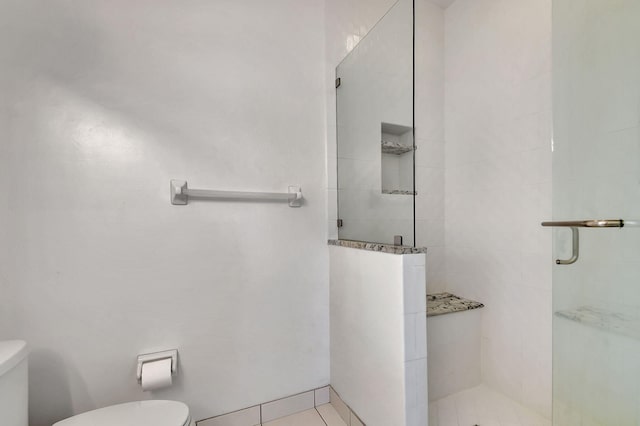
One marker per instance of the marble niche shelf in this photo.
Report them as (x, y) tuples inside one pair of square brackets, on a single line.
[(395, 148), (447, 303), (398, 192)]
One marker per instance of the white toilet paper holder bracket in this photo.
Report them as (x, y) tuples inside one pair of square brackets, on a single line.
[(157, 356)]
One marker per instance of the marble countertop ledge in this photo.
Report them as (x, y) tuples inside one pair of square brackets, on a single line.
[(383, 248)]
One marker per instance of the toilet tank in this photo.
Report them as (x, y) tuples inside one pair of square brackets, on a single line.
[(14, 388)]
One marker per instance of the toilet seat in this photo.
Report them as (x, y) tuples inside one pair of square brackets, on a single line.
[(139, 413)]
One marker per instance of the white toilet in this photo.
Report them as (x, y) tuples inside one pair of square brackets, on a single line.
[(14, 400), (14, 382), (140, 413)]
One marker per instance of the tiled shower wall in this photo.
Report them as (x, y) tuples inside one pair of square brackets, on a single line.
[(498, 185)]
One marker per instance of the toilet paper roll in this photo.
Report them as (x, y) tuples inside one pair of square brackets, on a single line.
[(156, 374)]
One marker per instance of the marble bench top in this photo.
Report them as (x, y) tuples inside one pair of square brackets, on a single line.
[(446, 303), (384, 248)]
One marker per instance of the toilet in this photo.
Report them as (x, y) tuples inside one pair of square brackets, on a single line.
[(14, 400), (14, 382), (139, 413)]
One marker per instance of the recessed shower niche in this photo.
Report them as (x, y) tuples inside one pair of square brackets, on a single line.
[(374, 95), (397, 160)]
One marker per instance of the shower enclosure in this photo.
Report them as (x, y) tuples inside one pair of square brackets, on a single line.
[(374, 92), (596, 175)]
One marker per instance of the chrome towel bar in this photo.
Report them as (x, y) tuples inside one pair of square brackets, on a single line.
[(575, 235), (180, 194)]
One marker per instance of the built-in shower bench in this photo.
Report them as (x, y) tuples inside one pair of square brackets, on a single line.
[(453, 344), (447, 303)]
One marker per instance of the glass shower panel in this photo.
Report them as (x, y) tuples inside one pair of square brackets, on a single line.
[(596, 161), (375, 133)]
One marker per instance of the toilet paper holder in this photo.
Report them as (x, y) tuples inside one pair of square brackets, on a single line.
[(157, 356)]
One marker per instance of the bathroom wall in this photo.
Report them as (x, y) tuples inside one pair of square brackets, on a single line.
[(6, 307), (498, 185), (104, 103)]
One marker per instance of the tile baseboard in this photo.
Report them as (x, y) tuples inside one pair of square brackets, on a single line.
[(272, 410), (346, 413)]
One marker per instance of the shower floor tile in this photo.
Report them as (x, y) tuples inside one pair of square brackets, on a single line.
[(483, 407)]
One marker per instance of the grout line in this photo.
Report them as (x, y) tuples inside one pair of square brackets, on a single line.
[(320, 415)]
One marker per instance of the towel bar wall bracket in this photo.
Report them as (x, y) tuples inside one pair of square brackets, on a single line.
[(180, 194)]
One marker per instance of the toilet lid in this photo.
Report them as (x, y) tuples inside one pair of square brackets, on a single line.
[(140, 413)]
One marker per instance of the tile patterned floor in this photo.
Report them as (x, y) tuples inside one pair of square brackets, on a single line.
[(323, 415), (477, 406), (483, 407)]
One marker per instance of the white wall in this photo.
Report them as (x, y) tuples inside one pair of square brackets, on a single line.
[(498, 185), (378, 335), (107, 101), (6, 307)]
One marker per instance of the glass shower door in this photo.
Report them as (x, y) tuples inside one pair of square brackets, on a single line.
[(596, 175), (374, 95)]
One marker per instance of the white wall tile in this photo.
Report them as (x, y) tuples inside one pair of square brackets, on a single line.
[(497, 182), (414, 289), (453, 352)]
